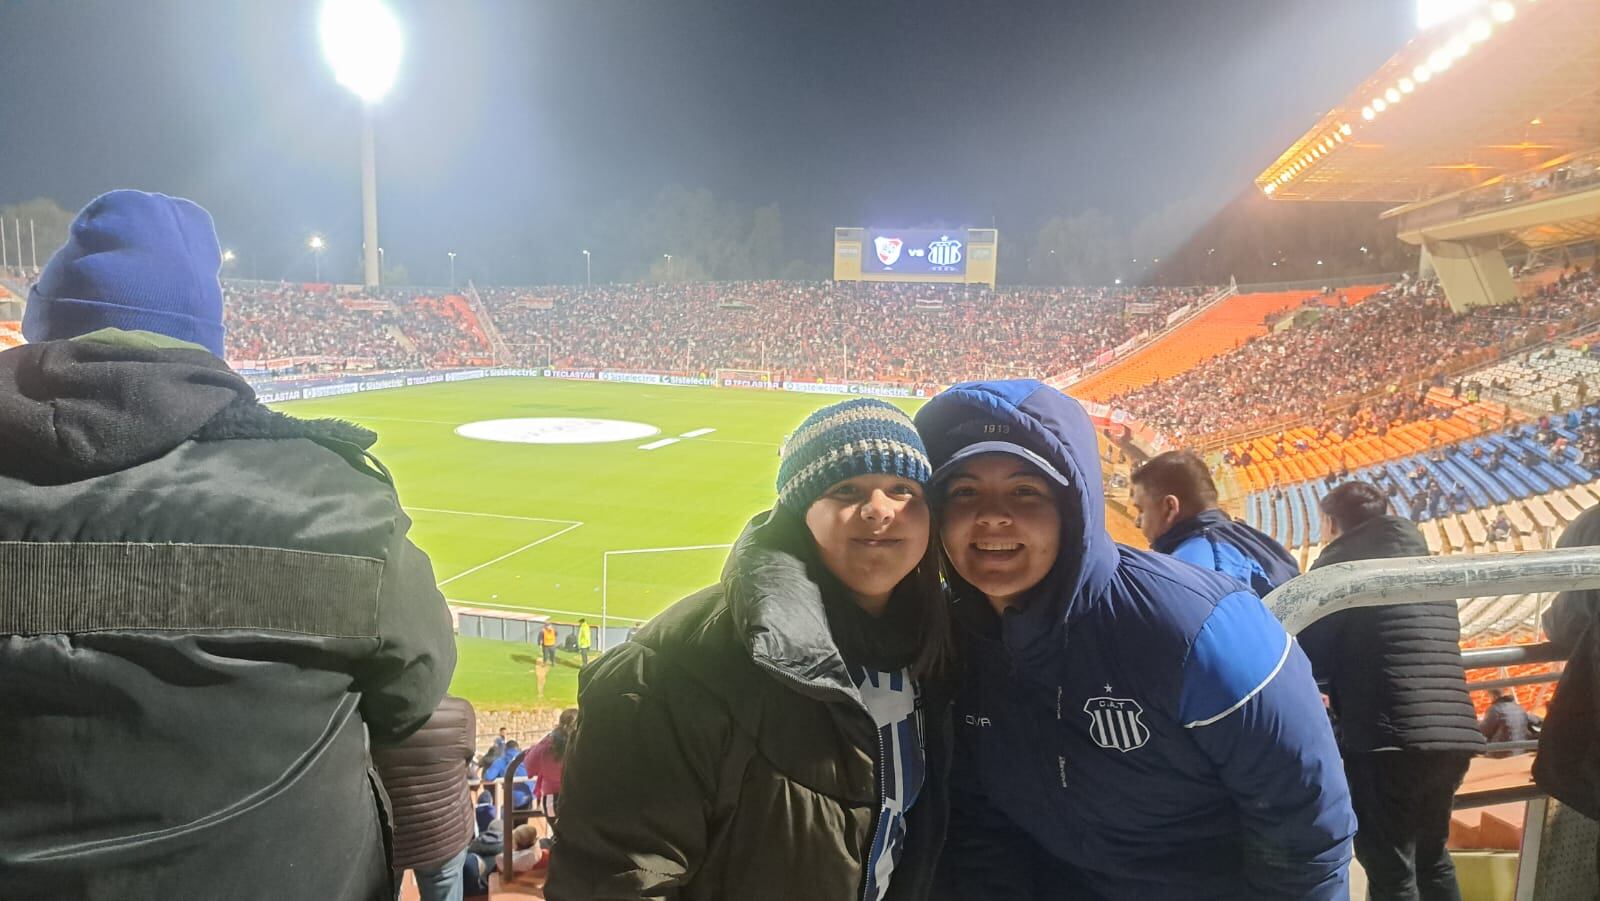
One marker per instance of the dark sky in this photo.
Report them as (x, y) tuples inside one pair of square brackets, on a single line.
[(513, 122)]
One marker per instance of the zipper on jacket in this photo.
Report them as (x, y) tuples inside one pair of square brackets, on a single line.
[(877, 765)]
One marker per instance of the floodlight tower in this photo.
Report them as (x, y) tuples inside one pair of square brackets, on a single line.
[(363, 44)]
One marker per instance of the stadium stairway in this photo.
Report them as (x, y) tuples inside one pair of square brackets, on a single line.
[(1215, 331)]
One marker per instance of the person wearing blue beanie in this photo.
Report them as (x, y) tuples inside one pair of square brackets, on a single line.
[(133, 261)]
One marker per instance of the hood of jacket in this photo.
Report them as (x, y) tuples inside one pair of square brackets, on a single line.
[(1056, 428), (76, 409), (1279, 566), (1377, 538), (795, 617)]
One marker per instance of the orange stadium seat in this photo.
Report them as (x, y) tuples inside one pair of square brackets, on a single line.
[(1215, 331)]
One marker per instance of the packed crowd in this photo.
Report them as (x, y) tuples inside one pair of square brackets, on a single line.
[(395, 331), (1370, 355), (805, 330)]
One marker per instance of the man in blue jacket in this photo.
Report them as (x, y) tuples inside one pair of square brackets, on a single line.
[(1127, 725), (1178, 514)]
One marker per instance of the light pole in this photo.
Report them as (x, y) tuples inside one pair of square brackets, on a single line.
[(588, 280), (228, 257), (452, 255), (668, 258), (316, 244), (362, 42), (380, 270)]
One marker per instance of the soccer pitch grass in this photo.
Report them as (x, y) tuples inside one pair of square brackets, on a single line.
[(525, 526)]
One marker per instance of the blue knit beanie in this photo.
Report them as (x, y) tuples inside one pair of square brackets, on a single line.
[(132, 261), (845, 440)]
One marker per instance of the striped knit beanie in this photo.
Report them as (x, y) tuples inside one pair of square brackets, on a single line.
[(845, 440)]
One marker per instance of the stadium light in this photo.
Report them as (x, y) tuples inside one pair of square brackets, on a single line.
[(1440, 60), (1379, 105), (363, 44), (316, 244), (227, 257), (1478, 31), (1422, 72), (588, 280), (1345, 129), (1392, 95), (1503, 12), (1407, 86)]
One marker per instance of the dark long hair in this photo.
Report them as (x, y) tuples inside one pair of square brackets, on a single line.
[(933, 615)]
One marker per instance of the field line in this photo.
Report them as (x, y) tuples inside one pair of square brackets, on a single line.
[(531, 544), (403, 419), (697, 433), (657, 550), (737, 441), (658, 444), (563, 522)]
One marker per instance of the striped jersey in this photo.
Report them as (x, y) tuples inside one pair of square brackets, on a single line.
[(892, 700)]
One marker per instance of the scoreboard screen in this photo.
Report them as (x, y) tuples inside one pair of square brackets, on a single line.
[(915, 251)]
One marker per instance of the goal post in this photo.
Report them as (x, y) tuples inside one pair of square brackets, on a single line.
[(605, 575), (744, 378)]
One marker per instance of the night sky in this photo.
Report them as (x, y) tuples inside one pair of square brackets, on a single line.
[(514, 124)]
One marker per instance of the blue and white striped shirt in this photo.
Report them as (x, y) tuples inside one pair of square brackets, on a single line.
[(892, 700)]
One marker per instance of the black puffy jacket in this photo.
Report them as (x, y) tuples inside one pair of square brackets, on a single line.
[(1393, 673), (205, 608)]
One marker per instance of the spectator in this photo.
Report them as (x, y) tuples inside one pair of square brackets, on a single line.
[(521, 792), (1396, 686), (187, 563), (1177, 505), (1117, 707), (805, 675), (1566, 763), (426, 779), (499, 746), (1506, 721), (545, 761)]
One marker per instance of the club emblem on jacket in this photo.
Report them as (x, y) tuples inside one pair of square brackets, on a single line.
[(1114, 723)]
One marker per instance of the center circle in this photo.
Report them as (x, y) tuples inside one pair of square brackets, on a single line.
[(556, 430)]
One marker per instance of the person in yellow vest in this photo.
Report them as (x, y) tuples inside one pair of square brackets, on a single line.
[(585, 640), (547, 643)]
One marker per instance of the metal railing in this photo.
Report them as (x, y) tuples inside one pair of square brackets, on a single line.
[(1554, 839)]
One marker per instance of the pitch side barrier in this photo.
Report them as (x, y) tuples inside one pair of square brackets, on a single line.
[(309, 387), (1557, 856)]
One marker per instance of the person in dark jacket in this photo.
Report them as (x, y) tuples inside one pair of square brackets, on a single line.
[(426, 778), (1506, 721), (1178, 514), (1127, 725), (1568, 762), (181, 562), (1396, 685), (779, 736)]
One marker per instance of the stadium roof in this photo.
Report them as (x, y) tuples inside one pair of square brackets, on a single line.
[(1506, 89)]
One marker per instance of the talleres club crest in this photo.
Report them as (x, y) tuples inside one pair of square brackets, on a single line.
[(1114, 723), (888, 249)]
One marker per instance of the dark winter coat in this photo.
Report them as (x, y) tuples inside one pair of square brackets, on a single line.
[(1140, 727), (1393, 673), (426, 777), (726, 754), (1568, 764), (222, 598)]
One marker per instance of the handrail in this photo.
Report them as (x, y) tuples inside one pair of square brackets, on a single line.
[(1491, 796), (1404, 580)]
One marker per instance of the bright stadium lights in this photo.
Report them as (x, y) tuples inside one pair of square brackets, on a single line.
[(1458, 47), (1503, 12), (1346, 130), (1392, 95), (228, 256), (1379, 105), (1478, 31), (316, 242), (1440, 60), (1407, 86), (362, 42), (1438, 12), (1422, 73)]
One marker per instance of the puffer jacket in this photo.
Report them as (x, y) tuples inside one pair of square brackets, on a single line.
[(1138, 727), (1393, 672), (726, 755), (426, 778), (184, 574)]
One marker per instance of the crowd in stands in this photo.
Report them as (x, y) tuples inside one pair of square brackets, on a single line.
[(1369, 354), (395, 331), (820, 330)]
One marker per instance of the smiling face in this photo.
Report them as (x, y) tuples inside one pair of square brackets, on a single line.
[(1000, 526), (871, 532)]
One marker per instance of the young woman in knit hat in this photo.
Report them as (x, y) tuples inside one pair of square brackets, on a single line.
[(779, 735)]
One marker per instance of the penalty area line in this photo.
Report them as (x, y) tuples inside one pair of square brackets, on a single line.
[(510, 554), (655, 445), (561, 522)]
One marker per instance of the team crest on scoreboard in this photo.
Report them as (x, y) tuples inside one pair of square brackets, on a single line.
[(1114, 723), (888, 249), (944, 252)]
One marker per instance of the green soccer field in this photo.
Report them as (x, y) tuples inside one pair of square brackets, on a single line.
[(526, 526)]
